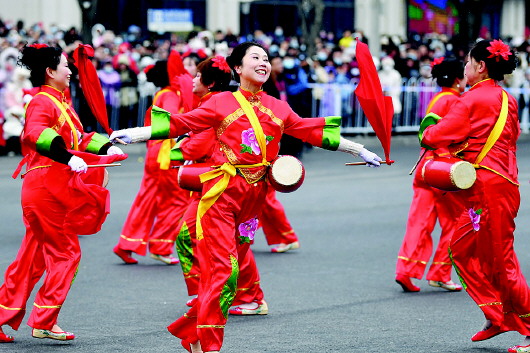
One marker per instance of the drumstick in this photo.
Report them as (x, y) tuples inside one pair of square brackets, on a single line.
[(417, 162), (365, 163), (121, 142), (104, 165)]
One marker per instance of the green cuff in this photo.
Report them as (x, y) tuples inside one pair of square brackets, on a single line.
[(430, 119), (331, 133), (160, 123), (96, 143), (45, 140), (176, 155)]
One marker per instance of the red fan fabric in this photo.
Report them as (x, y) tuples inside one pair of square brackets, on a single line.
[(88, 202), (378, 108), (91, 85)]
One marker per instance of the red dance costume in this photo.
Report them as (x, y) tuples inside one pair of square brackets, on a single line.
[(48, 245), (199, 148), (428, 205), (241, 166), (160, 202), (482, 246), (276, 226)]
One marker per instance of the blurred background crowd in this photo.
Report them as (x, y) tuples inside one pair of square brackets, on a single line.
[(320, 84)]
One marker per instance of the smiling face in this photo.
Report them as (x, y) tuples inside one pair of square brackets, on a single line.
[(254, 70), (59, 78)]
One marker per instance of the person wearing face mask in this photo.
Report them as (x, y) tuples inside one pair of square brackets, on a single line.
[(52, 136), (430, 204), (249, 125), (110, 84)]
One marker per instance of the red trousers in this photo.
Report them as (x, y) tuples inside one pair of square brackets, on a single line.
[(220, 253), (428, 205), (47, 246), (276, 226), (248, 283), (485, 259), (156, 210)]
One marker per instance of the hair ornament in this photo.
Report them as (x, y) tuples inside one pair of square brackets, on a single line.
[(437, 61), (220, 62), (499, 49), (38, 45)]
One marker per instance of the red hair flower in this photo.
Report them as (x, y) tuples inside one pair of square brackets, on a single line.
[(220, 62), (498, 49), (38, 45), (437, 61)]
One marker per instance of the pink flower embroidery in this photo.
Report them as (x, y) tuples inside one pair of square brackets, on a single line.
[(250, 142), (475, 218), (247, 230)]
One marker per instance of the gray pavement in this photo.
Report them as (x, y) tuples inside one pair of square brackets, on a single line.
[(334, 294)]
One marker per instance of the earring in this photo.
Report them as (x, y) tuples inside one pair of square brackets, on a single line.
[(458, 85)]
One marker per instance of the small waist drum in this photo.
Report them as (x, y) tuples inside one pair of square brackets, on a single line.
[(449, 173), (286, 173), (189, 175)]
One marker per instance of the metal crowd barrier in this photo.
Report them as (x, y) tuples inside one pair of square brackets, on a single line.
[(340, 100)]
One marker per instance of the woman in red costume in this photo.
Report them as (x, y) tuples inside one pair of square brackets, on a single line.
[(248, 125), (213, 76), (429, 203), (485, 120), (52, 127), (160, 202)]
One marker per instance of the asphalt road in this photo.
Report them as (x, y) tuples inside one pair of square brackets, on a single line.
[(334, 294)]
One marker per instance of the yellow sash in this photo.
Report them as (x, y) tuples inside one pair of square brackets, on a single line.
[(494, 136), (435, 99), (228, 170), (66, 116)]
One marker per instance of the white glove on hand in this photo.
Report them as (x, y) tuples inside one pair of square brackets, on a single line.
[(132, 135), (113, 150), (77, 164), (372, 160)]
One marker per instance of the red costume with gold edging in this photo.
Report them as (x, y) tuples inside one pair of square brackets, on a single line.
[(428, 205), (160, 202), (199, 148), (482, 250), (219, 248), (48, 245)]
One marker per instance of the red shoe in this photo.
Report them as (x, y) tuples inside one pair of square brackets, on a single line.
[(60, 336), (406, 283), (5, 338), (191, 302), (486, 334), (125, 255), (519, 349)]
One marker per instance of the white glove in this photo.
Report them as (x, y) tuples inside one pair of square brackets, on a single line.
[(77, 164), (372, 160), (114, 150), (132, 135)]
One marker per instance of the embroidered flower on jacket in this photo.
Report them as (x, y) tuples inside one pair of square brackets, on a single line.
[(498, 49), (475, 218), (220, 62), (250, 142), (247, 230)]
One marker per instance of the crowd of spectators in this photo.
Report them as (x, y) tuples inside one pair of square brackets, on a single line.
[(121, 58)]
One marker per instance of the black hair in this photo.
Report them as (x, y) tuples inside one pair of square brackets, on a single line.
[(37, 60), (497, 65), (447, 71), (158, 74), (236, 58), (212, 74)]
